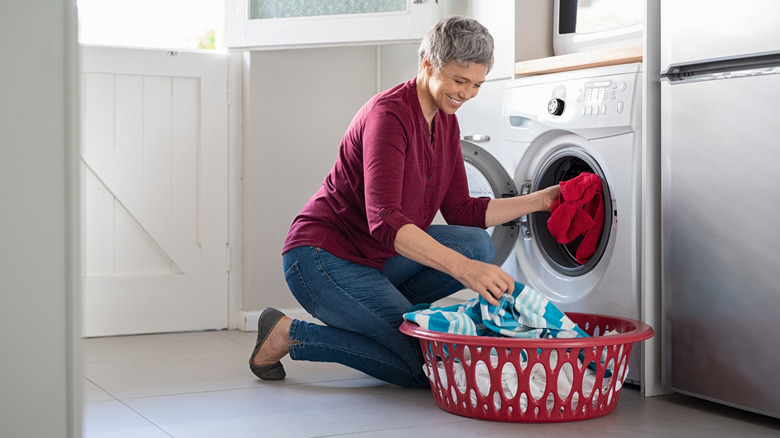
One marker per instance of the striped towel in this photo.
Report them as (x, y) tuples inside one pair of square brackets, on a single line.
[(528, 314), (523, 314), (457, 319)]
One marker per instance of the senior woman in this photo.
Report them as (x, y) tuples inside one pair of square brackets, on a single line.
[(363, 250)]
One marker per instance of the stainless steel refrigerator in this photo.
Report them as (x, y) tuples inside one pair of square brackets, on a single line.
[(720, 201)]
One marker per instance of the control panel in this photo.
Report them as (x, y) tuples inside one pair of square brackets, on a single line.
[(598, 98), (596, 102)]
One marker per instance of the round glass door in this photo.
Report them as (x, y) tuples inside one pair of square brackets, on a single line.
[(563, 166), (487, 178), (543, 263)]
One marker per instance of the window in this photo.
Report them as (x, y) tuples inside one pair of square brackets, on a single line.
[(259, 9), (166, 24), (274, 24)]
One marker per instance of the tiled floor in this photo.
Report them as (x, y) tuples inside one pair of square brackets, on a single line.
[(199, 385)]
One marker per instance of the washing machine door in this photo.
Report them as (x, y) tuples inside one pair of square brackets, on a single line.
[(487, 178), (543, 263)]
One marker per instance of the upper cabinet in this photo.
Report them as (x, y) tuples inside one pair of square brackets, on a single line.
[(499, 18), (274, 24)]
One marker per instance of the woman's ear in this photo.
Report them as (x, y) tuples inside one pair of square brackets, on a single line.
[(427, 67)]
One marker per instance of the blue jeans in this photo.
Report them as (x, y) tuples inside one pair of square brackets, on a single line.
[(363, 307)]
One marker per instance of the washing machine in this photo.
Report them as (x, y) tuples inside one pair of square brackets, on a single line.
[(488, 168), (554, 127)]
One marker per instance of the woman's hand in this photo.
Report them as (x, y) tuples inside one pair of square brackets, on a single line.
[(488, 280), (503, 210), (548, 196)]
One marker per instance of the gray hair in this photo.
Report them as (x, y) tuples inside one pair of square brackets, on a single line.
[(459, 39)]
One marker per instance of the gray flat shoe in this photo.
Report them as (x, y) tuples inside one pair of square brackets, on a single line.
[(265, 324)]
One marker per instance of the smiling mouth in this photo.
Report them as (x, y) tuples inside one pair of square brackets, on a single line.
[(456, 101)]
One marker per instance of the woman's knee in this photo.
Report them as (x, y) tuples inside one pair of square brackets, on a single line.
[(481, 245), (474, 243)]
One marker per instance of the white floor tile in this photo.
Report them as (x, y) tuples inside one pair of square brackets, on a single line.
[(199, 385), (91, 392), (167, 375), (449, 430), (112, 419), (166, 345), (318, 409)]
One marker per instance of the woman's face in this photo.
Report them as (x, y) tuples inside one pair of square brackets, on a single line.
[(452, 85)]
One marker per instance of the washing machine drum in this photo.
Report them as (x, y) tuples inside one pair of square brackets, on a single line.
[(487, 178), (564, 165)]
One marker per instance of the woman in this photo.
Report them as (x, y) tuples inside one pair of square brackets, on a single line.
[(363, 250)]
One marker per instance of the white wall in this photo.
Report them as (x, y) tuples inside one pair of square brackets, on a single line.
[(300, 103), (533, 29), (40, 375)]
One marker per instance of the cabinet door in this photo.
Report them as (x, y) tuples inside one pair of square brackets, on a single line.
[(499, 18), (258, 24)]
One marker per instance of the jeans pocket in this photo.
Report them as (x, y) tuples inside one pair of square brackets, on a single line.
[(299, 289)]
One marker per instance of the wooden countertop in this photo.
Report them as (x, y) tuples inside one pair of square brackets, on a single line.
[(577, 61)]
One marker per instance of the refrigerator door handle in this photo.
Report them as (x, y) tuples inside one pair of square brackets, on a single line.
[(767, 63)]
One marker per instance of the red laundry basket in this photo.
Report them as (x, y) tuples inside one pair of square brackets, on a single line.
[(526, 380)]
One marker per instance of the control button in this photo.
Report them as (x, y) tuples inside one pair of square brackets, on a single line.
[(603, 109), (555, 106), (623, 86), (620, 107)]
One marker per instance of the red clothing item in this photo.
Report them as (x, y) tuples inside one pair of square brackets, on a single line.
[(579, 210), (387, 175)]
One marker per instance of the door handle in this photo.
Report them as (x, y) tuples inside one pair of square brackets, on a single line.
[(479, 138), (525, 226)]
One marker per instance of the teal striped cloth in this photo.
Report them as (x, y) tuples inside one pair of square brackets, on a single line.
[(525, 313)]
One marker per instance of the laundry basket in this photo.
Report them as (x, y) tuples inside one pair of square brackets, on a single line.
[(531, 380)]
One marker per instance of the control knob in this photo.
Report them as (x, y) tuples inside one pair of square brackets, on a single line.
[(555, 106)]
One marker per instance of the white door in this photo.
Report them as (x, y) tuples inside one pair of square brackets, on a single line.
[(155, 179)]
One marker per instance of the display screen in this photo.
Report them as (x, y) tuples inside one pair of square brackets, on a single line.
[(596, 91)]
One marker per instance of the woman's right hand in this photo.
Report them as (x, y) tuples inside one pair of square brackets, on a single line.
[(486, 279)]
